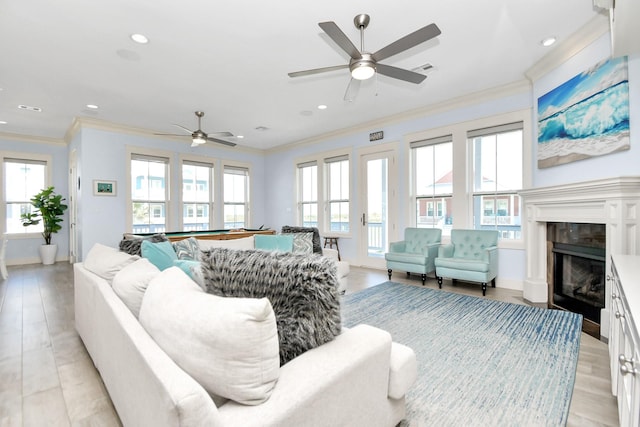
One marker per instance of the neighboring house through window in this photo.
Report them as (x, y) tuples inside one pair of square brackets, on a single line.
[(149, 193), (197, 195)]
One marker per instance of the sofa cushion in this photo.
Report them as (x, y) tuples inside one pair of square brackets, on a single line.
[(160, 254), (106, 261), (274, 242), (303, 290), (131, 243), (303, 243), (187, 249), (228, 345), (462, 264), (317, 247), (238, 244), (131, 282)]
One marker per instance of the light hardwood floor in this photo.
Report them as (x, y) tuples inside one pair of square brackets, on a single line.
[(48, 379)]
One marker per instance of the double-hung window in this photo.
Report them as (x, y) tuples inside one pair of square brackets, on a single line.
[(22, 178), (197, 195), (497, 176), (433, 182), (149, 193), (337, 169), (308, 193), (236, 196)]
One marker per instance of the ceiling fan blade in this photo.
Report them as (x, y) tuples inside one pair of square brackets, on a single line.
[(223, 134), (169, 134), (400, 73), (221, 141), (352, 90), (183, 128), (317, 70), (340, 38), (408, 41)]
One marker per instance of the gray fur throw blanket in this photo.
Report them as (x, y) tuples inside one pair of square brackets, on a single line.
[(302, 289)]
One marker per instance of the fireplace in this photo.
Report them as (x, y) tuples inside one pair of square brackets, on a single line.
[(576, 270), (578, 282), (613, 203)]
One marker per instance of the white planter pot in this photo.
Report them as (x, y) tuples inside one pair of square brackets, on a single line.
[(48, 254)]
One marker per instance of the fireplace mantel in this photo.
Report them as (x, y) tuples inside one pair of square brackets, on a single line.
[(614, 202)]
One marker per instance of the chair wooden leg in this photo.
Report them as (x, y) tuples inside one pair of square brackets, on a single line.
[(484, 288), (424, 279), (439, 282), (493, 282), (408, 274), (389, 272)]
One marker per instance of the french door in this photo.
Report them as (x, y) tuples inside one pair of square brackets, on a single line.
[(378, 201)]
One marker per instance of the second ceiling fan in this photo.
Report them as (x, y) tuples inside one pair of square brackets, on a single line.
[(363, 65)]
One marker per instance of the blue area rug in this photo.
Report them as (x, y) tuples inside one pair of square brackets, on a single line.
[(480, 362)]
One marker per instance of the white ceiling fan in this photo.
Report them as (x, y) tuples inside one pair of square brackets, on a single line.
[(364, 65), (199, 137)]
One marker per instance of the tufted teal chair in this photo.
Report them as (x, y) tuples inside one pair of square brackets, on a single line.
[(471, 256), (416, 253)]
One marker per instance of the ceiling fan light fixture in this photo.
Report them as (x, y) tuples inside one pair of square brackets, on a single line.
[(362, 70), (198, 140)]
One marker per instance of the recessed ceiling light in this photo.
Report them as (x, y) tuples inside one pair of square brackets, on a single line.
[(30, 108), (139, 38), (322, 107), (548, 41), (92, 106), (2, 122), (239, 136)]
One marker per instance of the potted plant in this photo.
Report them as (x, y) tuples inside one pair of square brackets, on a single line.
[(49, 210)]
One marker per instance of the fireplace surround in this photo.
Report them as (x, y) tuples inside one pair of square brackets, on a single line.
[(614, 202)]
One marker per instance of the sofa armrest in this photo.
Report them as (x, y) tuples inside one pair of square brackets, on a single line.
[(397, 246), (490, 255), (446, 251), (350, 372), (431, 250)]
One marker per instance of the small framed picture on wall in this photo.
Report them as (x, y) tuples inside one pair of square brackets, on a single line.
[(103, 187)]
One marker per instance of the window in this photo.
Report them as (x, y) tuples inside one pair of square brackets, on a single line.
[(236, 197), (433, 182), (149, 193), (497, 177), (308, 194), (197, 196), (338, 193), (23, 178)]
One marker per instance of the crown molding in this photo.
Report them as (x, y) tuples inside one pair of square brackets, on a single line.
[(570, 47), (497, 92), (92, 123), (32, 139)]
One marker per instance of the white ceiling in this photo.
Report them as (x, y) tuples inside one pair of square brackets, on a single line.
[(231, 59)]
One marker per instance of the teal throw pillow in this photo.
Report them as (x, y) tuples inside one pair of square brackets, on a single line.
[(274, 242), (159, 254), (193, 270)]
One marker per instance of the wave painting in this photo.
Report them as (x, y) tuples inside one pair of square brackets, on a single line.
[(586, 116)]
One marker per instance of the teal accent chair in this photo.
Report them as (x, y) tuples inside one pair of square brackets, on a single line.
[(416, 253), (471, 256)]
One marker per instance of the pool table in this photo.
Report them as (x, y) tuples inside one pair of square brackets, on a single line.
[(174, 236)]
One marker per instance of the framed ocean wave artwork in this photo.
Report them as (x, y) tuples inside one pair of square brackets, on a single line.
[(586, 116)]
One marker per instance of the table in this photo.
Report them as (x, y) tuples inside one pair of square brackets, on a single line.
[(332, 240), (175, 236)]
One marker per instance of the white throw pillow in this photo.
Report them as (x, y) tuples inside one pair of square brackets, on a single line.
[(240, 244), (229, 345), (131, 282), (106, 261)]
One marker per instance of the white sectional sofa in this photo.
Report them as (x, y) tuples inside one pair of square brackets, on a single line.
[(360, 378)]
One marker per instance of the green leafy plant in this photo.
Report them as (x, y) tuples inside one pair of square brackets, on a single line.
[(49, 210)]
